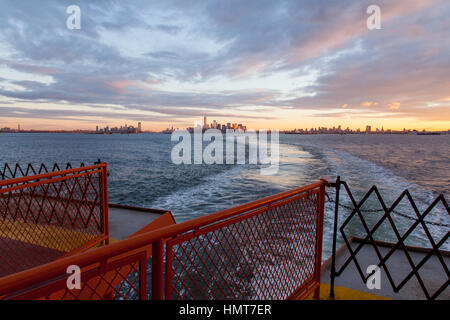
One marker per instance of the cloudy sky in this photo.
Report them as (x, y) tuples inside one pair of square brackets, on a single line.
[(267, 64)]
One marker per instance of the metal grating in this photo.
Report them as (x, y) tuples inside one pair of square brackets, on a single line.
[(263, 254)]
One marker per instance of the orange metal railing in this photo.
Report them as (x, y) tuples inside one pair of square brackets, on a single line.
[(267, 249), (47, 216)]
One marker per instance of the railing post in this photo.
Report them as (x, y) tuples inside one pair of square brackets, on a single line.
[(157, 269), (319, 238), (143, 278), (333, 255), (105, 202)]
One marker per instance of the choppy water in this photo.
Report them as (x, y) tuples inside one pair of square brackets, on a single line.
[(142, 173)]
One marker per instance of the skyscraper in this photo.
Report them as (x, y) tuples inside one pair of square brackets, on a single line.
[(139, 127), (205, 122)]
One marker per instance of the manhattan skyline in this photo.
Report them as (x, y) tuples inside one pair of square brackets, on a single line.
[(270, 65), (336, 129)]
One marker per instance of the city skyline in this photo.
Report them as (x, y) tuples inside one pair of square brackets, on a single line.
[(307, 64), (223, 127)]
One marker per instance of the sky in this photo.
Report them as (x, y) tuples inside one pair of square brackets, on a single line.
[(265, 64)]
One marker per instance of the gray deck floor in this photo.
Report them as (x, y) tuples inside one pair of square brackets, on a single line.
[(123, 222), (432, 273)]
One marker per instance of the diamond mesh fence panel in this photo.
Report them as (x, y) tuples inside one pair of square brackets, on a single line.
[(369, 225), (47, 216), (266, 253)]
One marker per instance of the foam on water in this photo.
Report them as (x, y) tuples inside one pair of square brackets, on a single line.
[(237, 185)]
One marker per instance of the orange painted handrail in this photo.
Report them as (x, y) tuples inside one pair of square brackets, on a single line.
[(51, 174)]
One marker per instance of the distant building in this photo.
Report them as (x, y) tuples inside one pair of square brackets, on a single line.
[(122, 129), (368, 129)]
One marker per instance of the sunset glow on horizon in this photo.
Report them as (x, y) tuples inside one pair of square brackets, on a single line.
[(268, 65)]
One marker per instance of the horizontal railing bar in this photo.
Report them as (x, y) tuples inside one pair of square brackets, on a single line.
[(47, 181), (50, 174)]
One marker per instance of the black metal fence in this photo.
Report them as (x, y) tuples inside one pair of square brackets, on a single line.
[(16, 171), (356, 212)]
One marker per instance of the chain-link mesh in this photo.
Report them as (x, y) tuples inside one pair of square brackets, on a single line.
[(264, 254)]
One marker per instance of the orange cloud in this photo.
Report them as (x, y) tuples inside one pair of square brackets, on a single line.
[(394, 105), (369, 104)]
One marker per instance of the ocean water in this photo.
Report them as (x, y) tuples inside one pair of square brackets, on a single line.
[(142, 174)]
